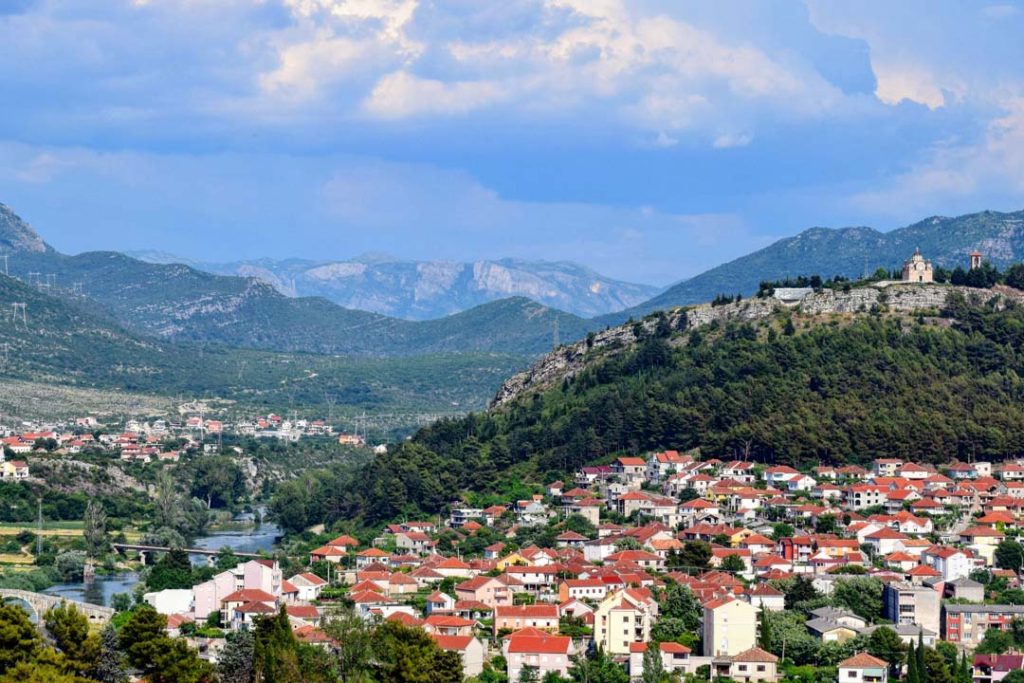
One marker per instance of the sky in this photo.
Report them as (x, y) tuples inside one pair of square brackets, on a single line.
[(648, 140)]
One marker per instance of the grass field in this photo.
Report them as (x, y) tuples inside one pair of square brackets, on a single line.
[(19, 526), (60, 529)]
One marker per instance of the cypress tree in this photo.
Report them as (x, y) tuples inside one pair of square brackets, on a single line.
[(766, 640), (912, 674), (964, 675), (922, 670)]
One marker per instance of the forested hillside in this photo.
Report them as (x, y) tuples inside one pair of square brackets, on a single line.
[(789, 389), (64, 343)]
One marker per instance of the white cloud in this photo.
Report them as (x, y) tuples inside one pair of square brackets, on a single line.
[(652, 71), (958, 173), (727, 140), (402, 95), (898, 83)]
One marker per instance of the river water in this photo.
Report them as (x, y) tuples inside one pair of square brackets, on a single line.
[(102, 588)]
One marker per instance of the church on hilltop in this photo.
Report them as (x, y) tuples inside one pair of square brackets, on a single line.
[(917, 269)]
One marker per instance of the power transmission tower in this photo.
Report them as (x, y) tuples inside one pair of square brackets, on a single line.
[(23, 309), (33, 279), (554, 333), (6, 272), (39, 536)]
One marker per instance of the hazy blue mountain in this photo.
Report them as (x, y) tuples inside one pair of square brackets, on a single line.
[(179, 302), (422, 290), (850, 252)]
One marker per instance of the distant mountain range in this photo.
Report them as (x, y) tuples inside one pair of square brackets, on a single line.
[(176, 302), (424, 290), (851, 252)]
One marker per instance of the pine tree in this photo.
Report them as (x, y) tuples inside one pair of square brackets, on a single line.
[(235, 664), (110, 667)]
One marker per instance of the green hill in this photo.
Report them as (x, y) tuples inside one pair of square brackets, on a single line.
[(789, 388), (849, 252), (75, 343)]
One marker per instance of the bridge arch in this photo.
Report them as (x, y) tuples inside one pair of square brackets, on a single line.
[(33, 614), (38, 603)]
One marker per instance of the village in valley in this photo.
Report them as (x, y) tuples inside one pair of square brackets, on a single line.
[(687, 560)]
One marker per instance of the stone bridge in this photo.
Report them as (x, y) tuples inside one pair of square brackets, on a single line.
[(39, 603), (147, 551)]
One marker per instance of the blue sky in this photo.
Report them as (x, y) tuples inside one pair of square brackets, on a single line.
[(649, 140)]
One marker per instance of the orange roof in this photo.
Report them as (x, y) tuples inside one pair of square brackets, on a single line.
[(863, 661), (543, 644), (249, 595), (452, 643)]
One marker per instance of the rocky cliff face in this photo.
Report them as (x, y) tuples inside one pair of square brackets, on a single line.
[(569, 360), (17, 235)]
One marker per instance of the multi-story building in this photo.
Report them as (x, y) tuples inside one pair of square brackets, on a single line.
[(622, 618), (860, 496), (906, 603), (730, 627), (966, 624)]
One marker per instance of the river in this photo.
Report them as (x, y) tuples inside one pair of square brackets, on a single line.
[(103, 587)]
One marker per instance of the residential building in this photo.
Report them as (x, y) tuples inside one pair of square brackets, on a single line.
[(906, 603), (863, 668), (471, 651), (965, 625), (729, 627), (518, 617), (753, 665), (538, 650), (623, 617), (994, 668)]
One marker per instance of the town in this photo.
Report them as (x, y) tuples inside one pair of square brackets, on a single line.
[(156, 440), (694, 567)]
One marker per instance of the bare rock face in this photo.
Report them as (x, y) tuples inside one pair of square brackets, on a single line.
[(569, 360), (17, 235)]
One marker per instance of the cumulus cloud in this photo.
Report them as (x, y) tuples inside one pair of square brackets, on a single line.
[(957, 173), (400, 95)]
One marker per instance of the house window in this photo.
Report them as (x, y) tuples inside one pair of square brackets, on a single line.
[(743, 667), (851, 674), (760, 667)]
